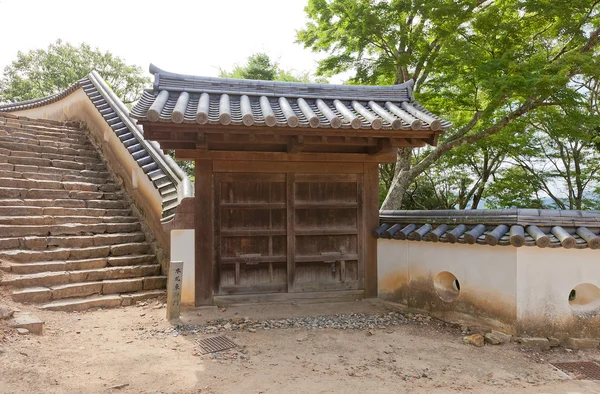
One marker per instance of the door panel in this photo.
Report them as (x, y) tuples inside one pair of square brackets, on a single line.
[(251, 232), (326, 229), (255, 212)]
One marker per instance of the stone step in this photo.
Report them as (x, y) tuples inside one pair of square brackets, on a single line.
[(49, 219), (66, 172), (83, 241), (60, 194), (70, 253), (104, 301), (46, 129), (47, 208), (109, 205), (76, 265), (103, 184), (52, 156), (36, 132), (8, 231), (30, 256), (85, 289), (6, 140), (43, 135), (47, 184), (24, 122), (49, 279), (55, 163)]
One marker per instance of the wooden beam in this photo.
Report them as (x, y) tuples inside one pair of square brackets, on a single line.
[(384, 146), (182, 146), (287, 166), (291, 235), (328, 131), (282, 156), (296, 145), (371, 221), (204, 232)]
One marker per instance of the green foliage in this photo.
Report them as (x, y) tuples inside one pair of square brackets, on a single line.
[(260, 66), (559, 161), (42, 72), (514, 189), (484, 65)]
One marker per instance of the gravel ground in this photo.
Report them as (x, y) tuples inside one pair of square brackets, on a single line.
[(352, 321), (357, 347)]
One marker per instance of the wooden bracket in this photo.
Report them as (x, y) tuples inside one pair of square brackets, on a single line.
[(384, 145), (201, 143), (296, 145)]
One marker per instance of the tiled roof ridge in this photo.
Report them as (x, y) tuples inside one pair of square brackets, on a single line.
[(522, 216), (168, 81), (177, 98), (517, 227), (39, 102)]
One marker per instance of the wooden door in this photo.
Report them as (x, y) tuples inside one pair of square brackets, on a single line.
[(327, 213), (250, 233), (291, 232)]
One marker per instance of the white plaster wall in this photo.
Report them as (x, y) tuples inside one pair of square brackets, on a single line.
[(183, 249), (487, 277), (483, 271), (545, 277), (392, 266)]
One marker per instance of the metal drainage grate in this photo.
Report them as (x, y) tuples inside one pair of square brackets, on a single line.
[(216, 344), (580, 370)]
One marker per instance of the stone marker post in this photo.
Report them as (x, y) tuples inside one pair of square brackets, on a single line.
[(174, 289)]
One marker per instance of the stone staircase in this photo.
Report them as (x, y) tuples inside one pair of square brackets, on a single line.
[(68, 237)]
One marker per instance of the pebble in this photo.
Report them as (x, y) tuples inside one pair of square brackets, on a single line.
[(474, 339), (5, 313), (352, 321), (23, 331)]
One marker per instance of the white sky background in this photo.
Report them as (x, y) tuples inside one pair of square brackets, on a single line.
[(188, 37)]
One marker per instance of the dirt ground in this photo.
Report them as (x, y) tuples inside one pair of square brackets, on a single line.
[(131, 350)]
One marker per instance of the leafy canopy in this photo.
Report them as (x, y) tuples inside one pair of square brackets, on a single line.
[(260, 66), (43, 72), (483, 65)]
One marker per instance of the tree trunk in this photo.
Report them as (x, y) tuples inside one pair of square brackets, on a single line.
[(402, 179)]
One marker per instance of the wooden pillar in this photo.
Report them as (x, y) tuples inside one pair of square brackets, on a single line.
[(204, 232), (291, 233), (371, 221)]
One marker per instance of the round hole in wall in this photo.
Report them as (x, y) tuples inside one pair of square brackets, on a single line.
[(585, 297), (447, 286)]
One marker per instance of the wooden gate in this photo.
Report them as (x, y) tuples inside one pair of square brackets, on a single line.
[(289, 232)]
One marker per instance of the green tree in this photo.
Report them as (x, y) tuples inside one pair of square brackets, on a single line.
[(512, 188), (43, 72), (484, 65), (260, 66), (560, 159)]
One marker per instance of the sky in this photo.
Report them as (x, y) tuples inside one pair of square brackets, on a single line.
[(188, 37)]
